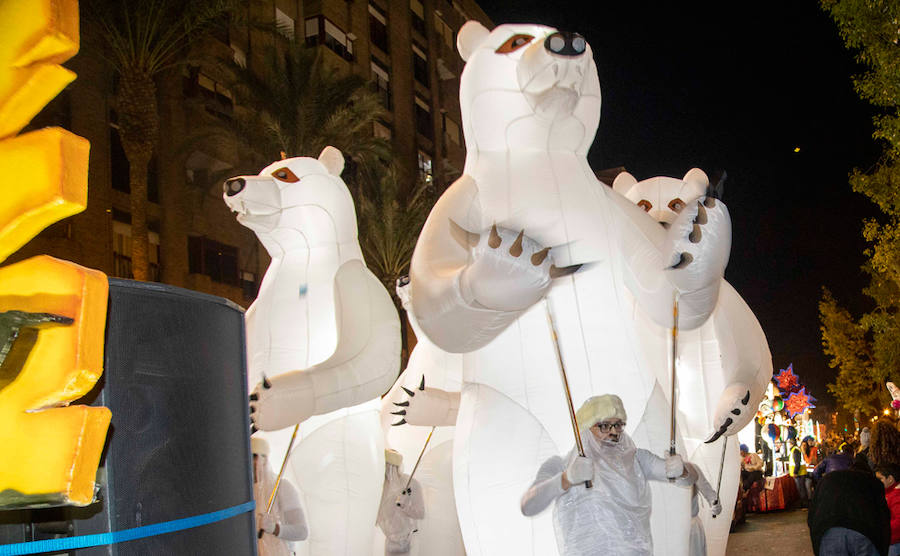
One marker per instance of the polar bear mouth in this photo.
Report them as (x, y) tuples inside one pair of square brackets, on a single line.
[(555, 101)]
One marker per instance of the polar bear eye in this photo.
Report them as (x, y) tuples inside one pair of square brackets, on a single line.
[(645, 204), (285, 174), (676, 204), (514, 43)]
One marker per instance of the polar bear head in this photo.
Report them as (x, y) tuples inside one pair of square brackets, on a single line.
[(662, 197), (527, 87), (296, 202)]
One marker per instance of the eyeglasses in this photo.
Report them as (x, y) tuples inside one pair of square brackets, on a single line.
[(606, 427)]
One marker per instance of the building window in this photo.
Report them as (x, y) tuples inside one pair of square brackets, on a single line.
[(423, 118), (420, 65), (214, 259), (426, 173), (218, 99), (381, 82), (285, 24), (444, 31), (249, 284), (378, 33), (382, 131), (418, 16), (119, 167), (122, 248), (451, 130), (320, 30)]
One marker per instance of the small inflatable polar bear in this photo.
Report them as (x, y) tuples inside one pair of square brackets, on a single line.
[(323, 343)]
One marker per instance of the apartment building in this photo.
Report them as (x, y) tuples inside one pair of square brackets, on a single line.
[(405, 47)]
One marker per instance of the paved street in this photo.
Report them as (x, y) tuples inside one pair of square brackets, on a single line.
[(760, 530)]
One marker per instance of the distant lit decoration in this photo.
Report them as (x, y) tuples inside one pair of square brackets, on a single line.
[(787, 381), (798, 402), (895, 395), (777, 404), (773, 431), (52, 312)]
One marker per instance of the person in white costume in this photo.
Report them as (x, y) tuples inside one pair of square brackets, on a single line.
[(613, 516), (323, 344), (285, 522), (401, 506), (527, 211)]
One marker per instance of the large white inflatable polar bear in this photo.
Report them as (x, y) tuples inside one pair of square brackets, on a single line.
[(323, 342), (531, 103), (710, 360)]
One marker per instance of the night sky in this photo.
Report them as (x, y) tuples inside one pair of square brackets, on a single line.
[(701, 84)]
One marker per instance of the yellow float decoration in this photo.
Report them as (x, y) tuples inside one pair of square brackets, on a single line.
[(52, 312)]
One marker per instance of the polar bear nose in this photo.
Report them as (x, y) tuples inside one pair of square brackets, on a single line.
[(563, 43), (234, 186)]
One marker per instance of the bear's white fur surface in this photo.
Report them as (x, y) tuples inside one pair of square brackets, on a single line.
[(529, 117), (325, 334)]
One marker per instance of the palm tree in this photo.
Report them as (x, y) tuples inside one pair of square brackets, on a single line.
[(294, 104), (140, 39)]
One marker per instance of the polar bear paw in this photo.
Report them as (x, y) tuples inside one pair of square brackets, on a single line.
[(509, 271), (430, 407), (698, 244), (733, 411)]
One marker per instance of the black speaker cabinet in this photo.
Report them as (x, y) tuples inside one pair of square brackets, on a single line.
[(175, 381)]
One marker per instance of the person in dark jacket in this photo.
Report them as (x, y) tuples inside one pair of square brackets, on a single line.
[(835, 462), (849, 516)]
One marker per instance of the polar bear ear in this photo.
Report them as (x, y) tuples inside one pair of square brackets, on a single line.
[(470, 37), (332, 160), (623, 183), (696, 175)]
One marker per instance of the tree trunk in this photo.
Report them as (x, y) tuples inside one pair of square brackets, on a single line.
[(138, 129)]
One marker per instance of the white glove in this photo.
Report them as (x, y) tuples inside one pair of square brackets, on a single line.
[(265, 522), (580, 470), (674, 466), (716, 508), (404, 499)]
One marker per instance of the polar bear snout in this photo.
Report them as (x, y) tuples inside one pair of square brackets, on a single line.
[(563, 43), (234, 186)]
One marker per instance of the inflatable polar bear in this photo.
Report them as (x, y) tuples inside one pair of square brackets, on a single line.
[(323, 342), (702, 375), (531, 103)]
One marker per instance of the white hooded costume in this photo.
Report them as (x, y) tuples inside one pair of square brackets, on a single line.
[(285, 522), (613, 516), (401, 506)]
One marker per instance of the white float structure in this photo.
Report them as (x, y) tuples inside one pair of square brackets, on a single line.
[(531, 104), (323, 343)]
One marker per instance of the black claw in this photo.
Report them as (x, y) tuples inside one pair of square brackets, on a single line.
[(266, 384), (402, 404), (252, 409), (726, 424), (253, 429), (746, 399), (684, 260), (408, 391), (701, 215), (422, 384), (254, 397), (696, 235), (398, 423), (736, 411), (401, 412)]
